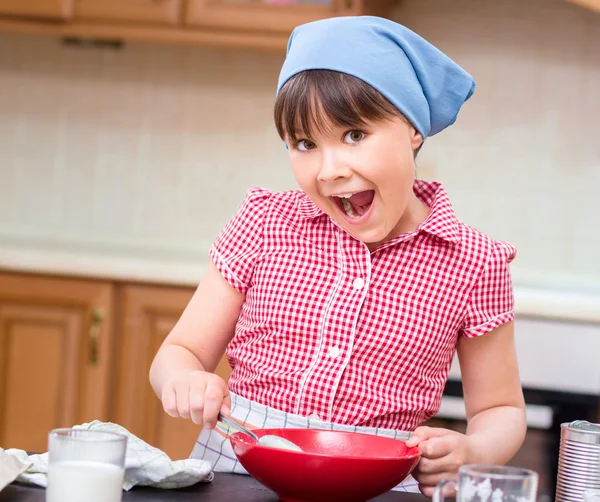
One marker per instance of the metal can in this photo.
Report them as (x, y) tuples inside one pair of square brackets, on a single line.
[(579, 460)]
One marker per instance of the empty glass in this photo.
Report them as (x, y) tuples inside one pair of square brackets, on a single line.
[(85, 465), (491, 483)]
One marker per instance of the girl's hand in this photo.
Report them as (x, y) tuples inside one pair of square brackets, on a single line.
[(442, 452), (198, 395)]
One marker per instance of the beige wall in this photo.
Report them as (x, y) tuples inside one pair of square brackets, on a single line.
[(147, 151)]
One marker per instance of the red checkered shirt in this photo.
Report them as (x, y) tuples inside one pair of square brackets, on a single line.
[(332, 330)]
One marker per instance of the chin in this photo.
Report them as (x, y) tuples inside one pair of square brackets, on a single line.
[(370, 238)]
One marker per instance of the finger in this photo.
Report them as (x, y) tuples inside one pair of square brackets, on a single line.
[(226, 406), (432, 466), (183, 399), (197, 402), (213, 399), (418, 435), (437, 447), (433, 479), (169, 401), (428, 491), (424, 433), (413, 440)]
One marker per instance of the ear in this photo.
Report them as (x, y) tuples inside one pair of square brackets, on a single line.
[(416, 139)]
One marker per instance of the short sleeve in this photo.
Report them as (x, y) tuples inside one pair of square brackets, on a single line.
[(491, 303), (238, 246)]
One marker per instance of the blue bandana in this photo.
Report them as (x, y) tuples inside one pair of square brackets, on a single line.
[(422, 82)]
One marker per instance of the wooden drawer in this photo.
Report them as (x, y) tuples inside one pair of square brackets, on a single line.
[(47, 9), (257, 15), (130, 11)]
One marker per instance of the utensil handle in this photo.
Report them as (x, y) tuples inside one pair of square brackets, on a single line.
[(437, 494), (229, 422)]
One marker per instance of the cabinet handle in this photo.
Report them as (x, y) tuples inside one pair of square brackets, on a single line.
[(97, 316)]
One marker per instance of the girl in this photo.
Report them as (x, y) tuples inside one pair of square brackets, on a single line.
[(341, 305)]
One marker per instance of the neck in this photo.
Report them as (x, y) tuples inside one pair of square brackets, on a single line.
[(416, 213)]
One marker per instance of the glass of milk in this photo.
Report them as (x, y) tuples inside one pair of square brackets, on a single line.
[(85, 465)]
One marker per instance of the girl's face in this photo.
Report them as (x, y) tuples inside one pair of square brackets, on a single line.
[(362, 178)]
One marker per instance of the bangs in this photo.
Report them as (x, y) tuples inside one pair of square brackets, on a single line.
[(314, 101)]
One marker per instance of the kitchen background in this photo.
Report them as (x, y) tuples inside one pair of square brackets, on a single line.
[(174, 136), (123, 163)]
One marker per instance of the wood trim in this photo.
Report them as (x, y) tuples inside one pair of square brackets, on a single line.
[(254, 27), (253, 16), (275, 18), (43, 9), (593, 5), (100, 31), (146, 11)]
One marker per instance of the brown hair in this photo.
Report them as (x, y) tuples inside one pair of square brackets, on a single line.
[(314, 99)]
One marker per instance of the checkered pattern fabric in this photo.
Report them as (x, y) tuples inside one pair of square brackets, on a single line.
[(333, 331), (213, 445)]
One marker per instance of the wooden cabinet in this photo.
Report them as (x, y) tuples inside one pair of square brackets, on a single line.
[(245, 24), (49, 9), (274, 16), (130, 11), (73, 351), (55, 356), (148, 314)]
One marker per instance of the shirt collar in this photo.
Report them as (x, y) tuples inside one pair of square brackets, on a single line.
[(441, 221)]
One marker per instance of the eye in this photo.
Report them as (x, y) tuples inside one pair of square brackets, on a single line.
[(305, 144), (354, 136)]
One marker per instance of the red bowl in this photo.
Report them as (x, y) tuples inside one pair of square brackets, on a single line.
[(333, 465)]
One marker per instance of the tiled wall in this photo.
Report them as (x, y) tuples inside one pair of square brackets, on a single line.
[(149, 150)]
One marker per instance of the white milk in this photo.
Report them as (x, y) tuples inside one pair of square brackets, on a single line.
[(80, 481)]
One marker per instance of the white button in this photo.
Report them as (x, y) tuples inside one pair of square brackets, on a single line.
[(358, 283), (314, 416), (334, 352)]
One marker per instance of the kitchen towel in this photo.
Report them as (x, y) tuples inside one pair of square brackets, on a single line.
[(10, 468), (144, 464), (214, 446)]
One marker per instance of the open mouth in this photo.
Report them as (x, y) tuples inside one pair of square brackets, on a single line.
[(355, 205)]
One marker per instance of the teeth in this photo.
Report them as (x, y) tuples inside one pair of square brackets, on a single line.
[(345, 196), (348, 208)]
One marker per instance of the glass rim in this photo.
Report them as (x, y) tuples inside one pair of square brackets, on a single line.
[(72, 434), (497, 471)]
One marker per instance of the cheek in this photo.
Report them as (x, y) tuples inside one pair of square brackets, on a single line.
[(395, 169), (395, 177), (303, 171)]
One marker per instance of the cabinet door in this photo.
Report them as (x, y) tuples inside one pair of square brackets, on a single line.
[(149, 314), (275, 15), (130, 11), (52, 9), (55, 352)]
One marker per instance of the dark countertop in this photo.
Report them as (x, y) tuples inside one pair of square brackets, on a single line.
[(224, 488)]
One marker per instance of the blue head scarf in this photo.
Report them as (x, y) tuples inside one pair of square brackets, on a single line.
[(423, 83)]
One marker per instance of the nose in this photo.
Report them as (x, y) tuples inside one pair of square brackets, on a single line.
[(332, 167)]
